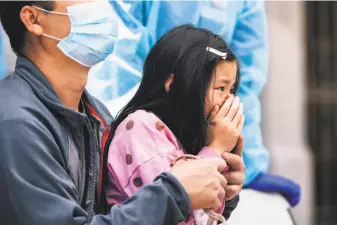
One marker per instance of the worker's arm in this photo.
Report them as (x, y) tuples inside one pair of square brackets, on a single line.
[(250, 45)]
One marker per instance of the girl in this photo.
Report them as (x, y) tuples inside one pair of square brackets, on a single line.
[(188, 76)]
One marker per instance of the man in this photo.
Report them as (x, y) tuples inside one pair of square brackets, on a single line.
[(53, 133)]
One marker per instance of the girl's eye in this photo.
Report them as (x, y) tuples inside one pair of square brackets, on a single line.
[(221, 89), (232, 91)]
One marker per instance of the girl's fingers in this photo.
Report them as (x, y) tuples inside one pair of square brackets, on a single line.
[(213, 113), (237, 118), (233, 109), (225, 107), (241, 124)]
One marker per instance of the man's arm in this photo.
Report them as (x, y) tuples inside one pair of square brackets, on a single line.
[(36, 188), (162, 202), (250, 45), (230, 206)]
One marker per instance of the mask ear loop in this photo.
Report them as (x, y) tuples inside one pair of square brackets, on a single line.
[(52, 12), (52, 37)]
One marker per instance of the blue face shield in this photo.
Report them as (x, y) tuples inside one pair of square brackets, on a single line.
[(92, 34)]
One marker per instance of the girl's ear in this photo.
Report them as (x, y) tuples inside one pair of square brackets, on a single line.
[(168, 82)]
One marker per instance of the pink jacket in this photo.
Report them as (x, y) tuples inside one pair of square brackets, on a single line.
[(142, 148)]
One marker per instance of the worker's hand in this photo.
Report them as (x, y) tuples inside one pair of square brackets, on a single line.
[(226, 124), (202, 181)]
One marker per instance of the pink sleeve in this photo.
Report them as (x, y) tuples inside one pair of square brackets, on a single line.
[(207, 152), (142, 148)]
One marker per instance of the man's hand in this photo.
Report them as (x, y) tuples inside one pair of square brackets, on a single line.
[(202, 181), (236, 175)]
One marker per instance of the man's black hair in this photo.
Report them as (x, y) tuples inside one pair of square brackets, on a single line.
[(12, 24)]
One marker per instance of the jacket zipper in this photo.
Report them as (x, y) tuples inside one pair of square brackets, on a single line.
[(91, 177), (82, 169)]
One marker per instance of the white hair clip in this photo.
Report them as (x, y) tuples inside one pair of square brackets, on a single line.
[(221, 54)]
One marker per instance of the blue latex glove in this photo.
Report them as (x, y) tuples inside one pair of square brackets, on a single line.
[(277, 184)]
